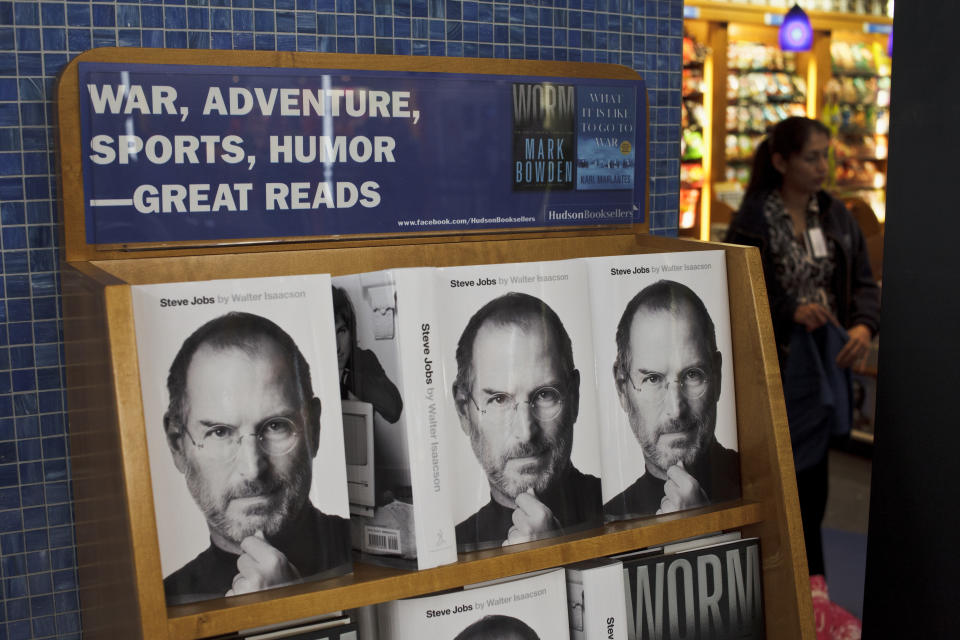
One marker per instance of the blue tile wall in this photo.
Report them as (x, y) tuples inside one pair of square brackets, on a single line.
[(37, 544)]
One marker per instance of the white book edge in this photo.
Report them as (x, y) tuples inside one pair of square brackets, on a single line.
[(422, 376), (701, 542), (336, 617), (292, 631), (604, 601), (608, 460)]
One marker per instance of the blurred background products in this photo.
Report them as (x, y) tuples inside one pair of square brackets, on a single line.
[(737, 83)]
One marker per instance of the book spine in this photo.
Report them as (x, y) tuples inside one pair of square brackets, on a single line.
[(628, 603), (575, 603), (423, 388), (603, 301), (386, 616), (366, 619), (604, 603)]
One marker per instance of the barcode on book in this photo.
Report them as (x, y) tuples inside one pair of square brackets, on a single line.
[(382, 540)]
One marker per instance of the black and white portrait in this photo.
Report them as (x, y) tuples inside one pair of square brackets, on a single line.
[(519, 393), (245, 442), (362, 376), (670, 389), (397, 469), (498, 627), (365, 311)]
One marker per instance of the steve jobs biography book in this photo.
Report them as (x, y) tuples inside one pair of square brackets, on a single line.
[(664, 359), (244, 433), (596, 600), (391, 388), (528, 607), (518, 359)]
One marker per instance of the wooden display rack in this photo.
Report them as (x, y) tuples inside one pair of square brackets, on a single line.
[(121, 590)]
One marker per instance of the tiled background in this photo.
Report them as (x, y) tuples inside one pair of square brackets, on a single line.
[(37, 555)]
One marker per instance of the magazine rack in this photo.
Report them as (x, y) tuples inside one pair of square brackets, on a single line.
[(120, 577)]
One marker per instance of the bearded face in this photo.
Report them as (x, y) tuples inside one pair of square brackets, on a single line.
[(239, 404), (671, 389), (520, 409)]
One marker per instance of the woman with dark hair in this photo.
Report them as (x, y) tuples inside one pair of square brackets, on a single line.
[(361, 375), (824, 301)]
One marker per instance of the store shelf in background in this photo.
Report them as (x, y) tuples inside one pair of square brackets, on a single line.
[(731, 24), (691, 175), (829, 15), (858, 186), (854, 55), (856, 108), (695, 138), (689, 211), (764, 86), (875, 202)]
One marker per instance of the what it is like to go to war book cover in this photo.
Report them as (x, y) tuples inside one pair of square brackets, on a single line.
[(573, 137)]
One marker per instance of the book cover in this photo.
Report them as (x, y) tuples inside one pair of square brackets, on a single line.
[(527, 608), (544, 140), (606, 137), (596, 600), (391, 384), (712, 592), (244, 433), (518, 358), (664, 381)]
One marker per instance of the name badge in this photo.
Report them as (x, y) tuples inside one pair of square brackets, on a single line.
[(817, 243)]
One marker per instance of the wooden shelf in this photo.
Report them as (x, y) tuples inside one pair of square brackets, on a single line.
[(116, 527), (858, 186), (862, 158), (748, 132), (369, 583), (765, 100), (856, 73), (744, 70)]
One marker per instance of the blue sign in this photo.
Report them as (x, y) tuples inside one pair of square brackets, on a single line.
[(206, 153), (773, 19), (876, 27)]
